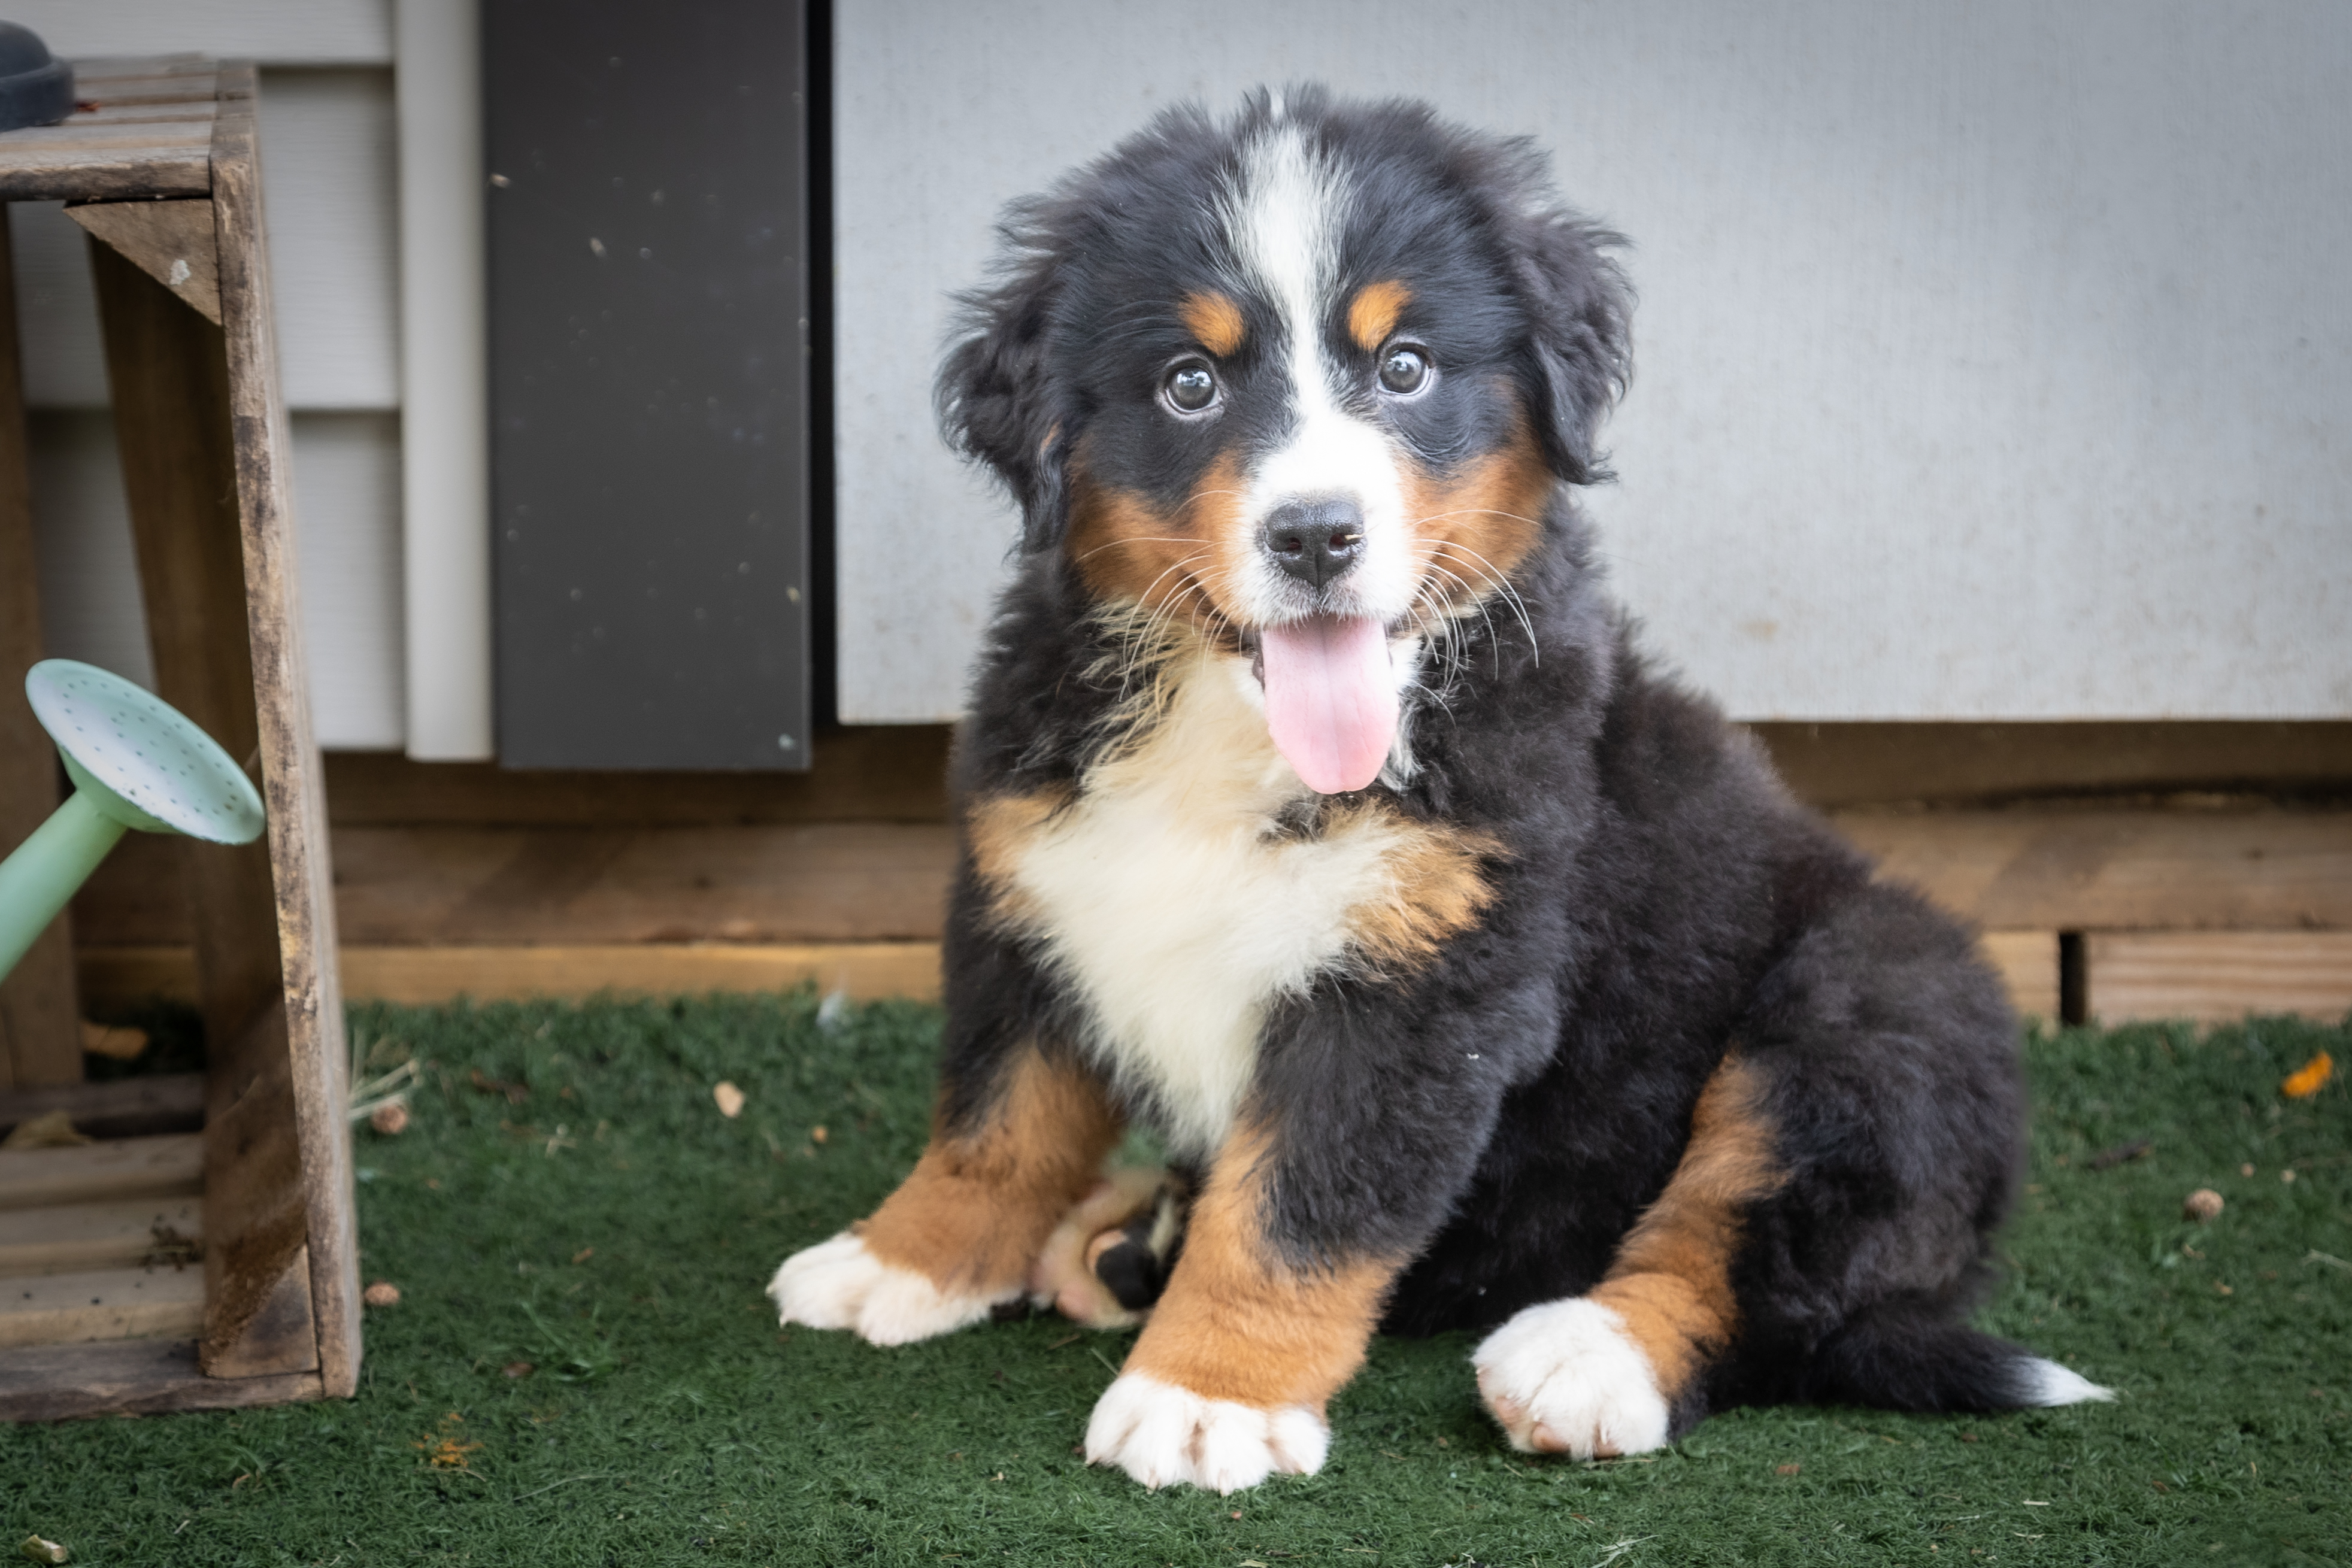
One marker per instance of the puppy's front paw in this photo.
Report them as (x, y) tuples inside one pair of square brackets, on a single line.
[(1160, 1434), (1566, 1378), (840, 1284)]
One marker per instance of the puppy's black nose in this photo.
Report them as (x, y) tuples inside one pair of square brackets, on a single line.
[(1316, 540)]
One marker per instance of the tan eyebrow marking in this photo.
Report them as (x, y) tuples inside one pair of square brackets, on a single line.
[(1215, 320), (1372, 315)]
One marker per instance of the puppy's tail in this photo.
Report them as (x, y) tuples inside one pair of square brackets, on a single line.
[(1904, 1358)]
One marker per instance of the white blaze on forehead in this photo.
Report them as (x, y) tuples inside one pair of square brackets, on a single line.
[(1288, 213)]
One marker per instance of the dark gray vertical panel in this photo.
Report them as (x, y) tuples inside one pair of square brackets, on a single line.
[(649, 389)]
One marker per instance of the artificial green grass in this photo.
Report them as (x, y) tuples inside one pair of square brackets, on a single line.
[(582, 1327)]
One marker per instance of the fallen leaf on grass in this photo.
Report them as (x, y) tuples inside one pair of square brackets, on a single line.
[(1787, 1470), (730, 1099), (518, 1369), (446, 1453), (817, 1134), (584, 1254), (391, 1118), (2201, 1206), (383, 1293), (2306, 1081)]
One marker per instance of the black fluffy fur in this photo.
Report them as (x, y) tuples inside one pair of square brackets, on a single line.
[(1504, 1116)]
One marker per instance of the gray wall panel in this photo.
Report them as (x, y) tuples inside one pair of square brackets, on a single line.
[(649, 383)]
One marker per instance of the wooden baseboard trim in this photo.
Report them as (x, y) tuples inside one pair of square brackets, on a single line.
[(2217, 977), (865, 970)]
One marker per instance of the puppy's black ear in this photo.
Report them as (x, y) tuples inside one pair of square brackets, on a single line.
[(996, 391), (1579, 309)]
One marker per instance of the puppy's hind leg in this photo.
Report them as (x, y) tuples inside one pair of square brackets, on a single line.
[(1108, 1262), (1621, 1369)]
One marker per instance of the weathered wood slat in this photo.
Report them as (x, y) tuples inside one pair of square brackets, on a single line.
[(100, 1303), (169, 373), (169, 1165), (171, 241), (38, 1038), (324, 1279), (118, 67), (126, 1108), (145, 1376), (41, 174), (2216, 976), (123, 1234), (152, 137)]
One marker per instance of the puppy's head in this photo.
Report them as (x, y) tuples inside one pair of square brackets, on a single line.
[(1306, 379)]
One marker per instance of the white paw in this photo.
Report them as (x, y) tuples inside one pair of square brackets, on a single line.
[(838, 1284), (1160, 1434), (1565, 1378)]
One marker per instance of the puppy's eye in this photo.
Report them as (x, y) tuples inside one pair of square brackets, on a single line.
[(1191, 387), (1405, 370)]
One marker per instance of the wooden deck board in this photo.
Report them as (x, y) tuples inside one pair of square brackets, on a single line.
[(2218, 976), (75, 1237), (865, 970), (2063, 869), (126, 1108), (438, 884), (171, 1164), (100, 1303)]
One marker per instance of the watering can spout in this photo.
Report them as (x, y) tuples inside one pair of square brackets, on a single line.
[(136, 762)]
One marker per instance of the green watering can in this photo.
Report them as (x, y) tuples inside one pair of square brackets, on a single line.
[(136, 762)]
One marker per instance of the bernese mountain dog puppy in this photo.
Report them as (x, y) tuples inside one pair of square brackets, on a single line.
[(1320, 812)]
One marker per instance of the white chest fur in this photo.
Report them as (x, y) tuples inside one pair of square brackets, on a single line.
[(1165, 896)]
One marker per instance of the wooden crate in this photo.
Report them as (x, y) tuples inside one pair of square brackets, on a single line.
[(160, 167)]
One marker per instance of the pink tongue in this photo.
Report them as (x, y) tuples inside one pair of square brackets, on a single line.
[(1330, 699)]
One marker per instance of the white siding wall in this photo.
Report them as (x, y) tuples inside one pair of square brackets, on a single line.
[(1993, 361), (329, 160)]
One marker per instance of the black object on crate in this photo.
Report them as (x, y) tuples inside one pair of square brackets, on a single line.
[(35, 89)]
